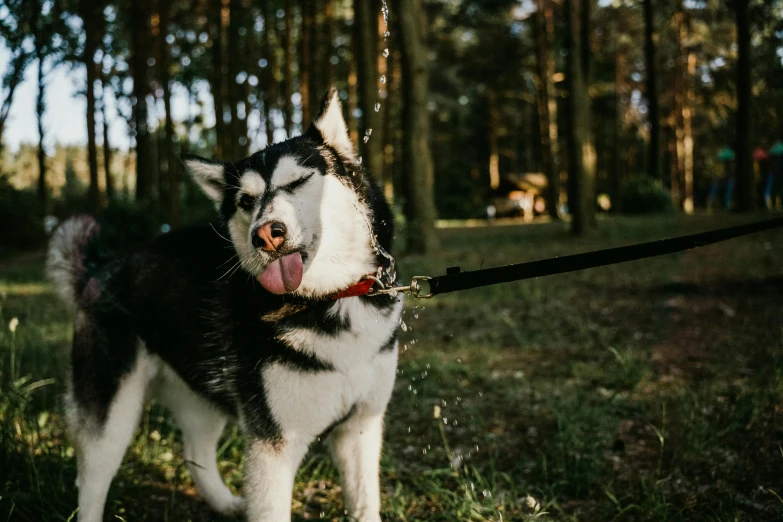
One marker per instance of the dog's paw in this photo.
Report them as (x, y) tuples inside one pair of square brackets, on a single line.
[(231, 505)]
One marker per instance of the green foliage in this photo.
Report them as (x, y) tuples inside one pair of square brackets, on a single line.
[(538, 416), (644, 195), (21, 216)]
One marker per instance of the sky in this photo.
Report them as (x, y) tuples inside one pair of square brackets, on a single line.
[(65, 120)]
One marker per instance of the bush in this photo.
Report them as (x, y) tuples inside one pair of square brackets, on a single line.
[(21, 216), (644, 195)]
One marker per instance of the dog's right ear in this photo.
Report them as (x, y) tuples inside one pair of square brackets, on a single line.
[(209, 174)]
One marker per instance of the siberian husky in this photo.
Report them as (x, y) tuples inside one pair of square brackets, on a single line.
[(261, 319)]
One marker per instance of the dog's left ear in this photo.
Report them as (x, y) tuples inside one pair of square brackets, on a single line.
[(330, 127), (209, 174)]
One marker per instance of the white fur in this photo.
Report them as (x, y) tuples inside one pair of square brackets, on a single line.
[(210, 178), (288, 170), (332, 127), (63, 268), (201, 425), (252, 184), (100, 451), (323, 214)]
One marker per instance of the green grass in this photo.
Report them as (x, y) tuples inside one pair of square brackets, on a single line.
[(649, 391)]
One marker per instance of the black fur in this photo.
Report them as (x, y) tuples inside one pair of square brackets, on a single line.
[(216, 331)]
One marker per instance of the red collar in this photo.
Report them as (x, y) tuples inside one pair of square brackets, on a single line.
[(363, 287)]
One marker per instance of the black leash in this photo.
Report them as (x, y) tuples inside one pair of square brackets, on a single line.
[(455, 280)]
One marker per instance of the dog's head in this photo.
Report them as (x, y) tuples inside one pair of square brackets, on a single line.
[(302, 214)]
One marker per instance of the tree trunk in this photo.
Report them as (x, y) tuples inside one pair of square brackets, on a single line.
[(169, 151), (90, 47), (288, 77), (615, 173), (270, 71), (417, 159), (547, 104), (654, 152), (217, 79), (744, 163), (687, 164), (493, 122), (40, 108), (139, 36), (13, 79), (305, 46), (109, 182), (366, 46), (580, 152), (327, 42)]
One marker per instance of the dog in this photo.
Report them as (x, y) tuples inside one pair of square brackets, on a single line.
[(264, 319)]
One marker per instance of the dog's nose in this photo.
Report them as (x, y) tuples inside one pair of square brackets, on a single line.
[(269, 236)]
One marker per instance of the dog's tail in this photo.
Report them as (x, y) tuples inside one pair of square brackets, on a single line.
[(68, 259)]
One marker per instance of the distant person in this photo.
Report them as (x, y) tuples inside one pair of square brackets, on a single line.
[(491, 212)]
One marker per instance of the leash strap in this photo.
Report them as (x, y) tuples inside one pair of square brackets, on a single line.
[(455, 280)]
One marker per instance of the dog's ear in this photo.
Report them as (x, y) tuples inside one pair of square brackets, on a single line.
[(330, 127), (209, 174)]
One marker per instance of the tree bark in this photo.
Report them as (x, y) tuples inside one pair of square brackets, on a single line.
[(169, 140), (417, 159), (687, 165), (579, 149), (288, 76), (744, 161), (305, 46), (327, 42), (615, 173), (366, 46), (139, 37), (217, 79), (270, 71), (654, 152), (40, 108), (14, 78), (108, 181), (91, 40), (493, 123), (547, 104)]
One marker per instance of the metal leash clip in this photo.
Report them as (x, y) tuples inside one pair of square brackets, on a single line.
[(419, 288)]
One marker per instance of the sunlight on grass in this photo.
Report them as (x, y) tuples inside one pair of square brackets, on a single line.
[(626, 393)]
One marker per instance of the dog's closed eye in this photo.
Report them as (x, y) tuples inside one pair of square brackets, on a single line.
[(296, 184)]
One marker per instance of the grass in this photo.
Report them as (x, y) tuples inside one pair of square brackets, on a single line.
[(649, 391)]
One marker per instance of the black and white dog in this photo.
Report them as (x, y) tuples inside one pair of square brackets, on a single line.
[(269, 327)]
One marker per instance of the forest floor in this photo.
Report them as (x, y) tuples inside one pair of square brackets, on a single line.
[(648, 391)]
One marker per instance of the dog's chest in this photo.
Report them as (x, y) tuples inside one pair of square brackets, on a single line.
[(361, 360)]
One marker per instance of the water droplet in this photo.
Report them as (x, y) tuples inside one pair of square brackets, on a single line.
[(377, 107), (445, 420), (487, 493), (383, 78), (368, 132), (415, 315), (359, 161), (403, 326), (386, 34), (386, 53), (366, 139)]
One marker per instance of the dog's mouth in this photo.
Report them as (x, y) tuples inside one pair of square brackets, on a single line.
[(283, 274)]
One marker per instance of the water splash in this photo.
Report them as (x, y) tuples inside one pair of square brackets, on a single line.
[(385, 11), (386, 51)]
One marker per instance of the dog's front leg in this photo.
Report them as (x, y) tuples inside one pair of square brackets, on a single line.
[(356, 450), (269, 478)]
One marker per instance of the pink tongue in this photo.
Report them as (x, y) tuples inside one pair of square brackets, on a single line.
[(283, 275)]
